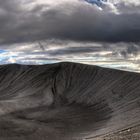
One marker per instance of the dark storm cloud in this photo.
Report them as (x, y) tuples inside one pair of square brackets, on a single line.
[(129, 9), (69, 21)]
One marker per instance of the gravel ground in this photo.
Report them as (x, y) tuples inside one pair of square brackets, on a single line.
[(127, 134), (68, 101)]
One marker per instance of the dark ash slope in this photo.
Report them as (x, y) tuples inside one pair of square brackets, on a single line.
[(66, 101)]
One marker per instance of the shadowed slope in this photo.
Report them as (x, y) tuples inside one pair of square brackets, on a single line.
[(66, 101)]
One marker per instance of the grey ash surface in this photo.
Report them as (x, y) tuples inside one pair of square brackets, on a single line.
[(66, 101)]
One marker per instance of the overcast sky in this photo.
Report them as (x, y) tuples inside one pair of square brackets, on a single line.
[(44, 31)]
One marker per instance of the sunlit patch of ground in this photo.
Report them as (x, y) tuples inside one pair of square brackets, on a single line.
[(127, 134)]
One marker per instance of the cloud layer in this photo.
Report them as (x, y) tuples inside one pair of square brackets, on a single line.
[(47, 31), (32, 20), (115, 55)]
